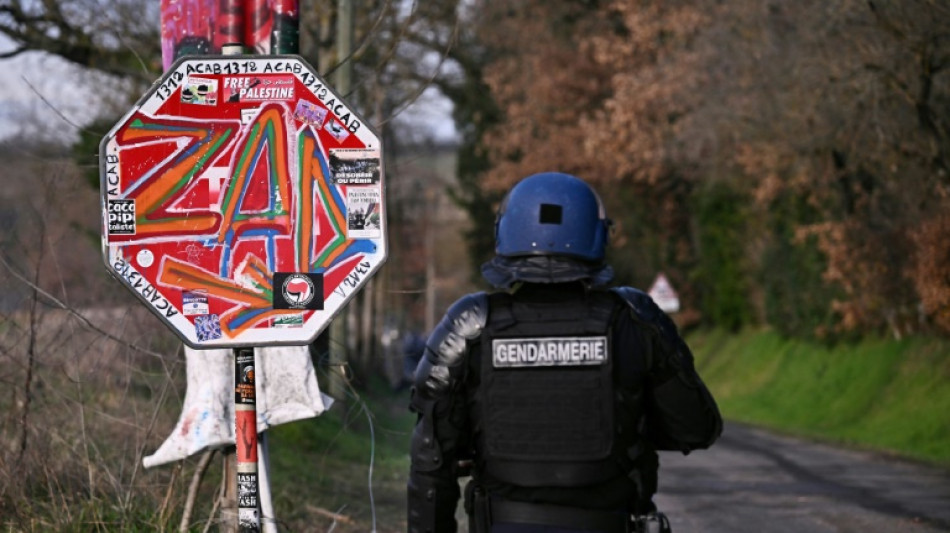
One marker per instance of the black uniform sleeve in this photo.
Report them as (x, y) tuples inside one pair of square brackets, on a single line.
[(433, 490), (682, 414), (441, 434)]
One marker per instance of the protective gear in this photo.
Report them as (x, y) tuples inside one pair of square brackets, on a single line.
[(512, 514), (673, 376), (546, 393), (655, 394), (442, 363), (503, 272), (431, 504), (489, 515), (433, 487), (552, 214)]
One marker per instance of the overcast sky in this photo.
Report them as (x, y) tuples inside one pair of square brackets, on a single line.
[(43, 94)]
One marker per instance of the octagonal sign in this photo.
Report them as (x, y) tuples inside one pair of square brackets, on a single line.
[(243, 201)]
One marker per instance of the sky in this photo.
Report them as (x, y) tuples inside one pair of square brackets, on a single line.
[(46, 96), (43, 94)]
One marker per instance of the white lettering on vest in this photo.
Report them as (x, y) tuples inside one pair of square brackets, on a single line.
[(549, 351)]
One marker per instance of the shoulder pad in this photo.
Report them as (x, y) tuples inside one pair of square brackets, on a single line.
[(646, 311), (467, 316), (640, 302), (447, 346)]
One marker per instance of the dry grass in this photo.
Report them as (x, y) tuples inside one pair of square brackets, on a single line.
[(80, 412), (87, 377)]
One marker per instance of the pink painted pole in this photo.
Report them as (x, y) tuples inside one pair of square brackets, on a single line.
[(245, 440), (229, 26)]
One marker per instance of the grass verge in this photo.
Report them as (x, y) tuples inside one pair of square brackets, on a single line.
[(881, 394), (332, 457)]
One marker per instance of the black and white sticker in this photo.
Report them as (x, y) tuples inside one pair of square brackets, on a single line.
[(549, 351), (122, 217)]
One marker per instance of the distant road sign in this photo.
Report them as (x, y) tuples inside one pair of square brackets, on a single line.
[(663, 294), (243, 201)]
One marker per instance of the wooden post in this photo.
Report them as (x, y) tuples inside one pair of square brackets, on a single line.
[(229, 508)]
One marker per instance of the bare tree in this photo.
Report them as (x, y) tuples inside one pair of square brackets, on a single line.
[(116, 37)]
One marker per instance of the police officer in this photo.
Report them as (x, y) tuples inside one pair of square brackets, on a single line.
[(555, 389)]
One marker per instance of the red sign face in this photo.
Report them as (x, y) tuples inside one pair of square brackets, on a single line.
[(243, 201)]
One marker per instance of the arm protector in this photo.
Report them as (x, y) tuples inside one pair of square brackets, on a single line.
[(442, 364), (682, 413), (441, 429)]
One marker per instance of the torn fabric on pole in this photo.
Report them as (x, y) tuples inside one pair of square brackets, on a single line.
[(287, 391)]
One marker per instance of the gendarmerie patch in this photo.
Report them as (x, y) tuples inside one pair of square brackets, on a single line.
[(549, 351)]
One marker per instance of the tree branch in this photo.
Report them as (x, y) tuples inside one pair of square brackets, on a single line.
[(60, 305)]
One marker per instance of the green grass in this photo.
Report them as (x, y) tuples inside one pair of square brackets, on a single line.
[(329, 458), (880, 394)]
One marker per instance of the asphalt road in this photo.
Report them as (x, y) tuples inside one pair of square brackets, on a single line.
[(755, 481)]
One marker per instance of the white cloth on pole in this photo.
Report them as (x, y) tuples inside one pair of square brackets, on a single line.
[(287, 391)]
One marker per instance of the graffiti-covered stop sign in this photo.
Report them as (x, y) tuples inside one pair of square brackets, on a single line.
[(243, 201)]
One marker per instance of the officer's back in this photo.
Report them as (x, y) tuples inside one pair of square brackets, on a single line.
[(557, 389)]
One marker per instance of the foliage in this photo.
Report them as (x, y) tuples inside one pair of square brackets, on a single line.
[(877, 393), (852, 134), (932, 269), (65, 464), (797, 301), (340, 450), (843, 106), (721, 276)]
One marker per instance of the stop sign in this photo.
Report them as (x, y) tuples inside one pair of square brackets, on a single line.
[(243, 201)]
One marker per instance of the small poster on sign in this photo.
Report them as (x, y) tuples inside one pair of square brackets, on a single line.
[(362, 212)]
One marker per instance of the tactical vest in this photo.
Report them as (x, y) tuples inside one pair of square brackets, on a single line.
[(546, 399)]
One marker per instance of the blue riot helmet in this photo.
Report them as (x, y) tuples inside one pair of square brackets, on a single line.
[(552, 213)]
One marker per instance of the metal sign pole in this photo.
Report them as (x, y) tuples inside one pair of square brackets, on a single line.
[(268, 518), (245, 437)]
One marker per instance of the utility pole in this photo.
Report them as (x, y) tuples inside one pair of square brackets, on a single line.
[(339, 338), (344, 46), (431, 219)]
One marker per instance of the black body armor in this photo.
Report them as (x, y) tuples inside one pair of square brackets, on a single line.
[(545, 405)]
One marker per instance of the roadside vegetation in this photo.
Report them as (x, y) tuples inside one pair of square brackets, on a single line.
[(876, 393), (322, 468)]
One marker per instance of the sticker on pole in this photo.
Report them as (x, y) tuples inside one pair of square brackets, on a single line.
[(243, 201)]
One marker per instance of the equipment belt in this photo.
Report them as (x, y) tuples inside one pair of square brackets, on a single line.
[(512, 512)]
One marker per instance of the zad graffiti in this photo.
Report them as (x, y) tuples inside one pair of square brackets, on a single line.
[(223, 188)]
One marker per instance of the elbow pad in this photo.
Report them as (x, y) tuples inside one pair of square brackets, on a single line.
[(442, 364)]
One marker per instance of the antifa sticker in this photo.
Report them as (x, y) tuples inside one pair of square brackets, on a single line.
[(549, 351), (298, 290)]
